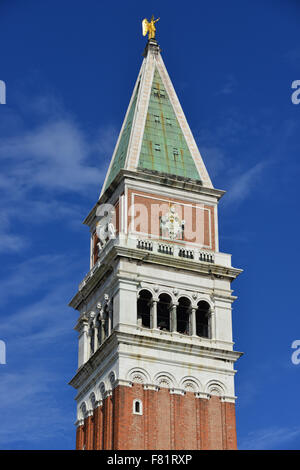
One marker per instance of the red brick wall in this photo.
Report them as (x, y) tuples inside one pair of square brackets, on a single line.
[(79, 437), (215, 423), (148, 220), (229, 425), (169, 421)]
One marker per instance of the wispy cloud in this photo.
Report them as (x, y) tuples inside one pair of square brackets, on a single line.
[(240, 153), (36, 417), (243, 184), (47, 275), (43, 164), (269, 438), (228, 86), (51, 156), (38, 330)]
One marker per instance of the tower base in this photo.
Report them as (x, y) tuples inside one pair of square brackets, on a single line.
[(163, 420)]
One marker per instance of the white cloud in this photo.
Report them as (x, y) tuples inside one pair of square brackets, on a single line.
[(32, 412), (29, 414), (269, 438), (34, 273), (52, 156), (42, 165), (243, 184)]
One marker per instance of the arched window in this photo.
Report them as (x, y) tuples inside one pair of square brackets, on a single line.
[(203, 319), (137, 407), (163, 312), (143, 308), (183, 315)]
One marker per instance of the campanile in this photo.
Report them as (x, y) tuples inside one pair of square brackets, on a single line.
[(156, 359)]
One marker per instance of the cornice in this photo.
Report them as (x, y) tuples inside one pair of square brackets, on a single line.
[(105, 268), (90, 372)]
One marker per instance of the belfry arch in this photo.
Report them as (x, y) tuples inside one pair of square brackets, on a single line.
[(144, 308), (183, 315), (203, 319), (163, 312)]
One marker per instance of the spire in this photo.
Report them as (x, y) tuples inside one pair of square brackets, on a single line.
[(155, 135)]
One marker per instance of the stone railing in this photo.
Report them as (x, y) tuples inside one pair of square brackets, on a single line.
[(175, 250), (162, 248), (89, 275)]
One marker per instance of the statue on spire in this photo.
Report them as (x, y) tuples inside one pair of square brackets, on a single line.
[(149, 27)]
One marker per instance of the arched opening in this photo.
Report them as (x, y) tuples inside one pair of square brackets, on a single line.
[(183, 316), (203, 319), (143, 308), (137, 407), (163, 312)]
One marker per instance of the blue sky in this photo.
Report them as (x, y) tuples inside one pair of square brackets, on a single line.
[(69, 68)]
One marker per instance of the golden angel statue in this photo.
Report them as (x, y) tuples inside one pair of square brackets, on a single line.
[(149, 27)]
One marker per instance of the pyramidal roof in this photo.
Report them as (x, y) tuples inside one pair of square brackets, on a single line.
[(155, 134)]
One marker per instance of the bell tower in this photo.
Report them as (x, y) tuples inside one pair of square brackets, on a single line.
[(156, 359)]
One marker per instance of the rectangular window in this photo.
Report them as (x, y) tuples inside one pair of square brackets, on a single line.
[(159, 93), (175, 153), (157, 147), (156, 118), (168, 122)]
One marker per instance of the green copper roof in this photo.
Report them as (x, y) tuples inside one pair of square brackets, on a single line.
[(164, 147), (120, 156)]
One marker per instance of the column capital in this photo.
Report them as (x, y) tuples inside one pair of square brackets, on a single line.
[(82, 323)]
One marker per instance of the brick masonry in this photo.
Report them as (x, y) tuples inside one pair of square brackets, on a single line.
[(169, 421), (147, 221)]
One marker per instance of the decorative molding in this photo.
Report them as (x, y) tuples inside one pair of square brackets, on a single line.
[(153, 387), (124, 383), (202, 395), (138, 375), (138, 378), (177, 391), (112, 378), (165, 380), (190, 387), (102, 389), (215, 387)]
